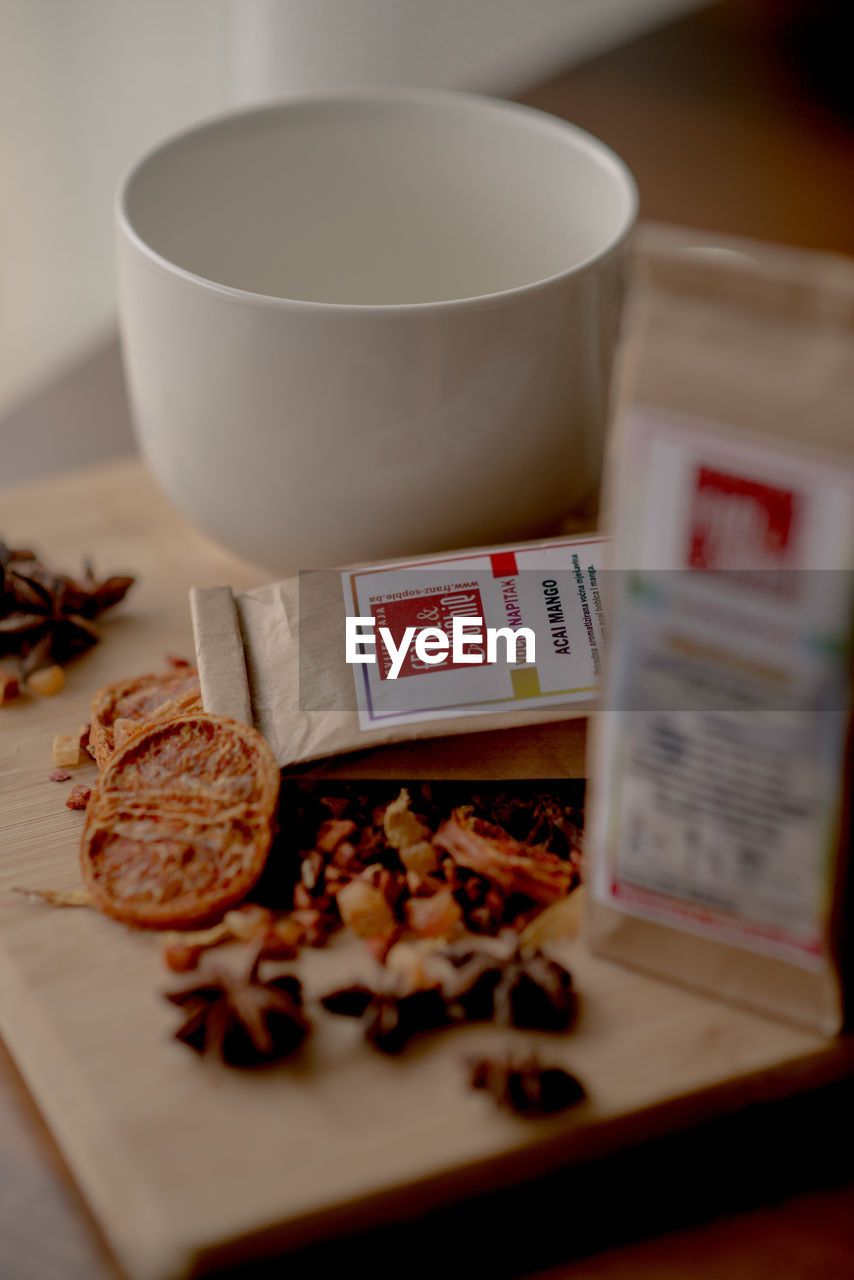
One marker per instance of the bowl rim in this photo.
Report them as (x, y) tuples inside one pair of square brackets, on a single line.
[(537, 120)]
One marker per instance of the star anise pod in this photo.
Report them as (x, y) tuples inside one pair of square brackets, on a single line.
[(46, 617), (393, 1015), (239, 1018), (526, 1086), (523, 989)]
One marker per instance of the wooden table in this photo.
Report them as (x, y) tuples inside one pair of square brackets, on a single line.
[(765, 1194)]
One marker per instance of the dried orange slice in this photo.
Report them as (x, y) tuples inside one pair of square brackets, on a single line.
[(140, 700), (180, 822)]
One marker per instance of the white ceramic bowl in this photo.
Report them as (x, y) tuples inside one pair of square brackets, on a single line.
[(372, 323)]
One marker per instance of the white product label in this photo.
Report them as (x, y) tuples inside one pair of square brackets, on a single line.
[(722, 750), (552, 589)]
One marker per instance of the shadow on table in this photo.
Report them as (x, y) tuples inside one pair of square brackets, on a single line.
[(755, 1158)]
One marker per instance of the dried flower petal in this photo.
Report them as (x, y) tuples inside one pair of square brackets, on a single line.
[(58, 897)]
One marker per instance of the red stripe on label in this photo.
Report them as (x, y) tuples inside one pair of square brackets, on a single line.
[(504, 564)]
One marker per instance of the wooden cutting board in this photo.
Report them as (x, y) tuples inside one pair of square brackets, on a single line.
[(185, 1164)]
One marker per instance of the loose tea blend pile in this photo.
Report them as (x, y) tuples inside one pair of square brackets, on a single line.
[(447, 883)]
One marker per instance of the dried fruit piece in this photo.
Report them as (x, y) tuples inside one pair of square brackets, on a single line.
[(282, 939), (142, 699), (525, 1085), (9, 687), (530, 870), (179, 823), (47, 681), (421, 963), (410, 835), (382, 943), (332, 833), (278, 939), (78, 797), (185, 948), (364, 908), (66, 750), (241, 1019), (560, 920), (248, 921), (438, 916), (181, 957), (421, 858), (59, 775), (317, 925)]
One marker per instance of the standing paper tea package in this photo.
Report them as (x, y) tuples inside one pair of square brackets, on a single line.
[(719, 825)]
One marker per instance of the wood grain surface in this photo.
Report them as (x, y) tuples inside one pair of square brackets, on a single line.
[(181, 1162)]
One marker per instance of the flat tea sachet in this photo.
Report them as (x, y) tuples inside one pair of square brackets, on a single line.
[(277, 656)]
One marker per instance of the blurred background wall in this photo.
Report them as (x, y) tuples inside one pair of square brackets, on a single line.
[(84, 86), (87, 85)]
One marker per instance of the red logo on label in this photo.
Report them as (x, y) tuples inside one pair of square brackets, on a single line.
[(434, 609), (741, 524)]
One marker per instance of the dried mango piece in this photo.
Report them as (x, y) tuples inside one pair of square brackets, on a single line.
[(179, 824), (142, 699), (410, 835), (514, 867)]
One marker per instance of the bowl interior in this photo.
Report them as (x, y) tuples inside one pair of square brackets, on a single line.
[(380, 201)]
